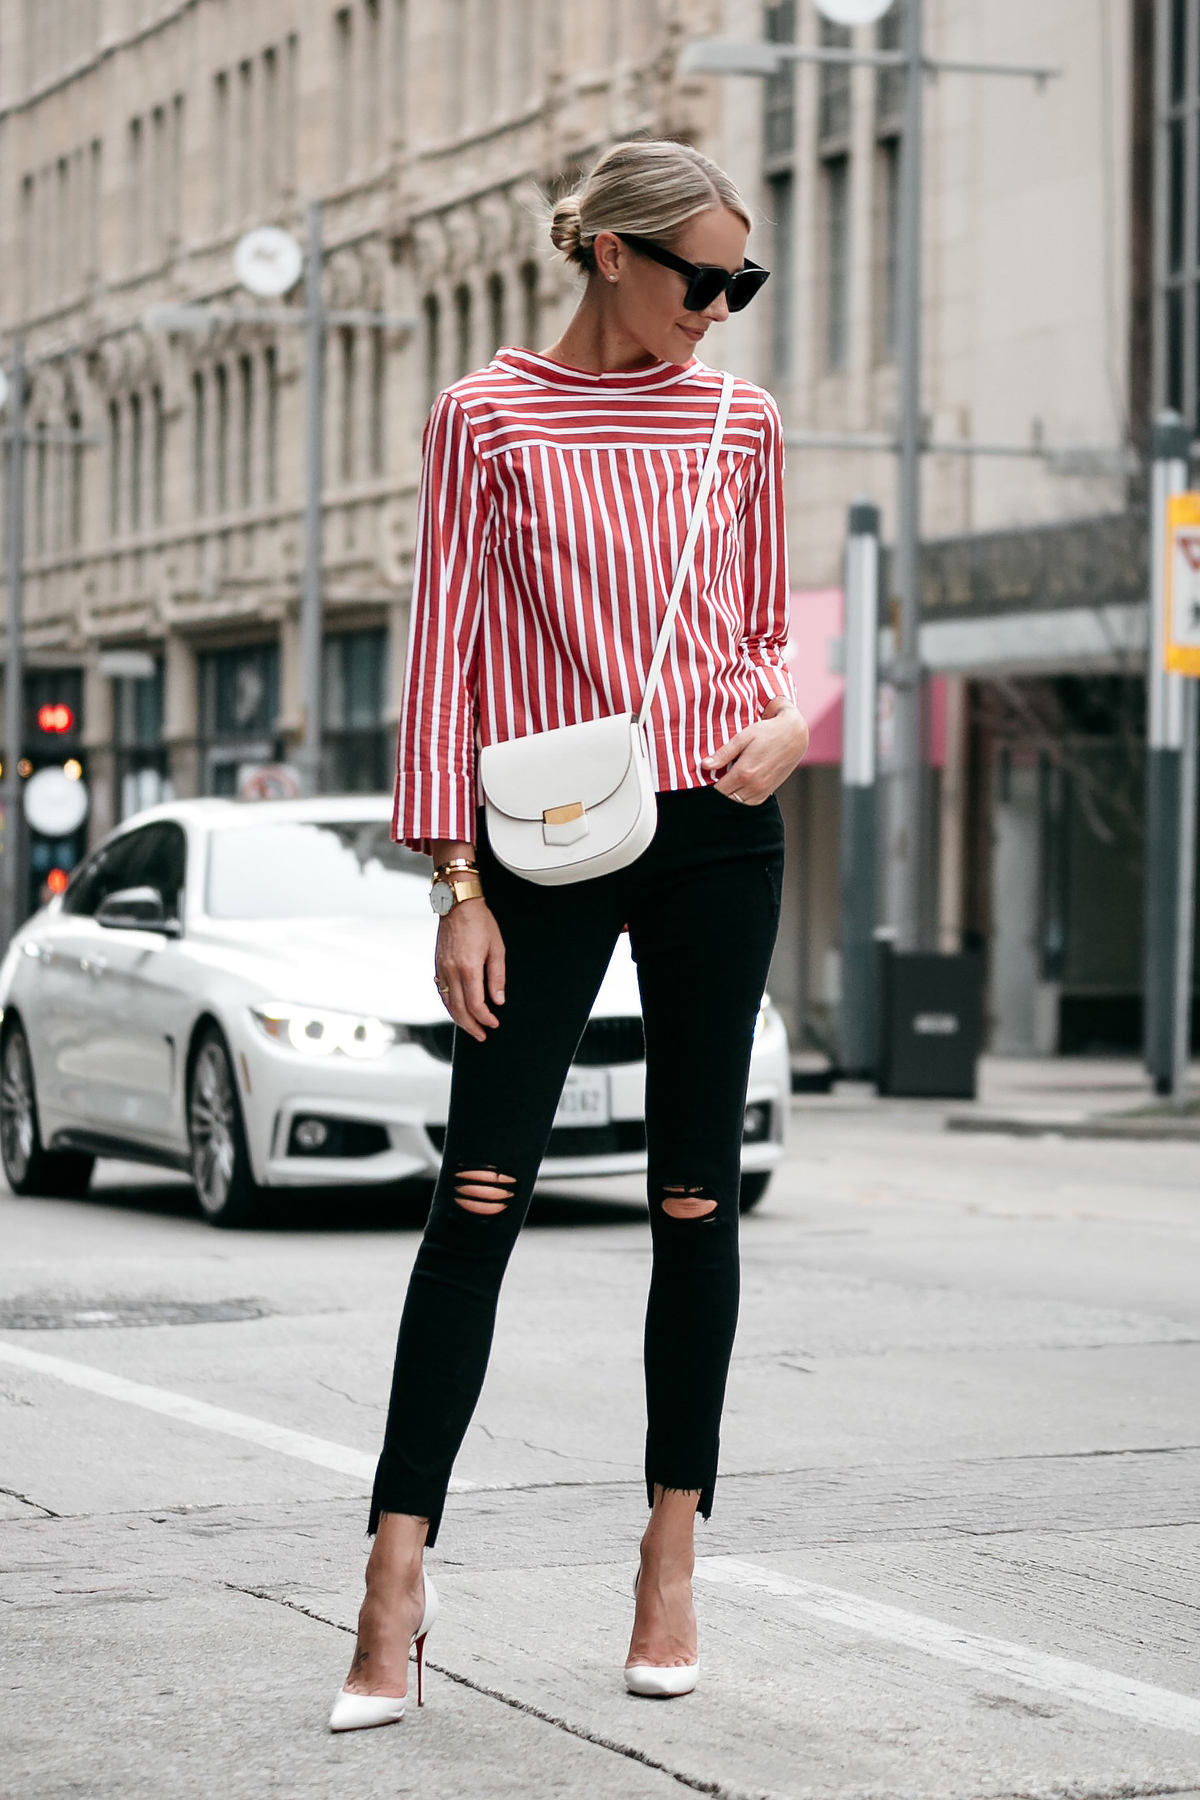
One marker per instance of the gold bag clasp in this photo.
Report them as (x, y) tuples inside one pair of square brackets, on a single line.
[(563, 815)]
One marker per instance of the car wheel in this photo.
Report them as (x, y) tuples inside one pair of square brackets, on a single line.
[(754, 1186), (52, 1174), (226, 1189)]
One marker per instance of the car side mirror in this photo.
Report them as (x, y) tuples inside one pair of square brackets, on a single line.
[(136, 909)]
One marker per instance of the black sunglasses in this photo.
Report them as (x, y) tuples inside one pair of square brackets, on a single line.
[(705, 281)]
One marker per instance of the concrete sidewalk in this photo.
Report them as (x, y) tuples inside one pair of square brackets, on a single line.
[(1070, 1096)]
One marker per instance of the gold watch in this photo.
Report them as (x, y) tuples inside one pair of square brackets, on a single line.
[(452, 884)]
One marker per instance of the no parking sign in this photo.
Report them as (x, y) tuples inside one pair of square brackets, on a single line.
[(1181, 635)]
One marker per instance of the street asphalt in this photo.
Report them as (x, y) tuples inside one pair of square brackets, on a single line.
[(956, 1545)]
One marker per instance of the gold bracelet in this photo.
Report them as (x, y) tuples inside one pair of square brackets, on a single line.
[(457, 864)]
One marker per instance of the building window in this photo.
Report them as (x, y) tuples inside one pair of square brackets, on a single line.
[(399, 81), (433, 349), (835, 174), (270, 124), (239, 713), (462, 331), (531, 308), (75, 496), (135, 193), (220, 150), (782, 195), (495, 299), (358, 744), (372, 76), (139, 752), (833, 87), (349, 382), (886, 285), (343, 91), (199, 443), (135, 462), (245, 430), (246, 167), (889, 83), (114, 468), (377, 436), (40, 481), (455, 62), (221, 460), (271, 422), (779, 92), (158, 455)]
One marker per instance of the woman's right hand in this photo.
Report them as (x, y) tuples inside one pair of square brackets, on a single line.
[(469, 966)]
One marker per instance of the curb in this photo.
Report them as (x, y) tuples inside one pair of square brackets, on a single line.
[(1161, 1129)]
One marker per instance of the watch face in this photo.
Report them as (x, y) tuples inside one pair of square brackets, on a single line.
[(441, 897)]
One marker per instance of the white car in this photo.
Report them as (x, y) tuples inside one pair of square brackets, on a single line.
[(245, 992)]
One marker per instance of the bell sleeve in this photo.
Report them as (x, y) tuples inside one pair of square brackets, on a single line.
[(765, 567), (435, 759)]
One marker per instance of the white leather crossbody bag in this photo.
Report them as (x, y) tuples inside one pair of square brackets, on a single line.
[(569, 804)]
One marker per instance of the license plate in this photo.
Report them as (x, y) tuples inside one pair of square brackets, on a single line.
[(584, 1098)]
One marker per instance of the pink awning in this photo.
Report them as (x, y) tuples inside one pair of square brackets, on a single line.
[(816, 623)]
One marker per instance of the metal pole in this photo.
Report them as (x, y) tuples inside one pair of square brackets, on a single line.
[(14, 673), (311, 635), (904, 825), (1185, 916), (1170, 441), (857, 1048)]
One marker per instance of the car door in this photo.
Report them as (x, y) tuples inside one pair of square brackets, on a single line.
[(138, 1011), (71, 966)]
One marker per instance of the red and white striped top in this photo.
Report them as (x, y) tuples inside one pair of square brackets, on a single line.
[(552, 510)]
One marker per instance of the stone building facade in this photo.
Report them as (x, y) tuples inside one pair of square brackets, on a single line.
[(140, 138)]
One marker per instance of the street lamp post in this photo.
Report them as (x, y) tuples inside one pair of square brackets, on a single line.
[(16, 436), (716, 56), (14, 662)]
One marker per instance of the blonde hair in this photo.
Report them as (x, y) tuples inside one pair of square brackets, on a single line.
[(646, 188)]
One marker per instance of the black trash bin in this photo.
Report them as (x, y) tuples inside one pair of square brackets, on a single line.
[(931, 1023)]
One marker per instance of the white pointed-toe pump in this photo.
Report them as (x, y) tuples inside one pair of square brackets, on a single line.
[(654, 1682), (356, 1712)]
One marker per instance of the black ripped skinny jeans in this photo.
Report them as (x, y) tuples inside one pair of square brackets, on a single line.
[(702, 907)]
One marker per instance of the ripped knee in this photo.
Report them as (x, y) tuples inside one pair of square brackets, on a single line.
[(680, 1202), (483, 1190)]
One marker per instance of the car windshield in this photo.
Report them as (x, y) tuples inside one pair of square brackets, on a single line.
[(301, 869)]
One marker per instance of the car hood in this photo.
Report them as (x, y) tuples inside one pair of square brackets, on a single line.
[(379, 967)]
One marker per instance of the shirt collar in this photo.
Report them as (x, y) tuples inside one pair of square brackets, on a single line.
[(547, 373)]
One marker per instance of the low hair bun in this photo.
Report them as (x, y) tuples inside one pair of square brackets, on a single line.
[(566, 230)]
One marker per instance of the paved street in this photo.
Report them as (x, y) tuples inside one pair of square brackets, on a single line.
[(955, 1551)]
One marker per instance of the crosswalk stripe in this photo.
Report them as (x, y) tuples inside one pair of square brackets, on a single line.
[(1120, 1694)]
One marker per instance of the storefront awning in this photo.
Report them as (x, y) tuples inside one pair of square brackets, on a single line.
[(813, 648)]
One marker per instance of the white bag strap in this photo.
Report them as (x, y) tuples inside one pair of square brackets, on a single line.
[(689, 548)]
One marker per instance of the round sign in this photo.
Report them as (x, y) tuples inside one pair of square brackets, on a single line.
[(55, 804), (852, 12), (3, 389), (268, 261)]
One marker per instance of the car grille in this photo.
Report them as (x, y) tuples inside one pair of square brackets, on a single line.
[(615, 1139), (605, 1042)]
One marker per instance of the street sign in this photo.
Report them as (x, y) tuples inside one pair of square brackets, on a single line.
[(55, 804), (1181, 624), (852, 12), (268, 781), (268, 261)]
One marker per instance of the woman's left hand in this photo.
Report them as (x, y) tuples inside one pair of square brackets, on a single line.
[(758, 760)]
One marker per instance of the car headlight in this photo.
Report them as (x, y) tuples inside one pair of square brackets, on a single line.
[(764, 1013), (313, 1031)]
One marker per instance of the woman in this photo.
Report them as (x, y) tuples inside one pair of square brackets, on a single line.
[(556, 492)]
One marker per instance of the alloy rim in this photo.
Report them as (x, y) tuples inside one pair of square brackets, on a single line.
[(16, 1108), (211, 1119)]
